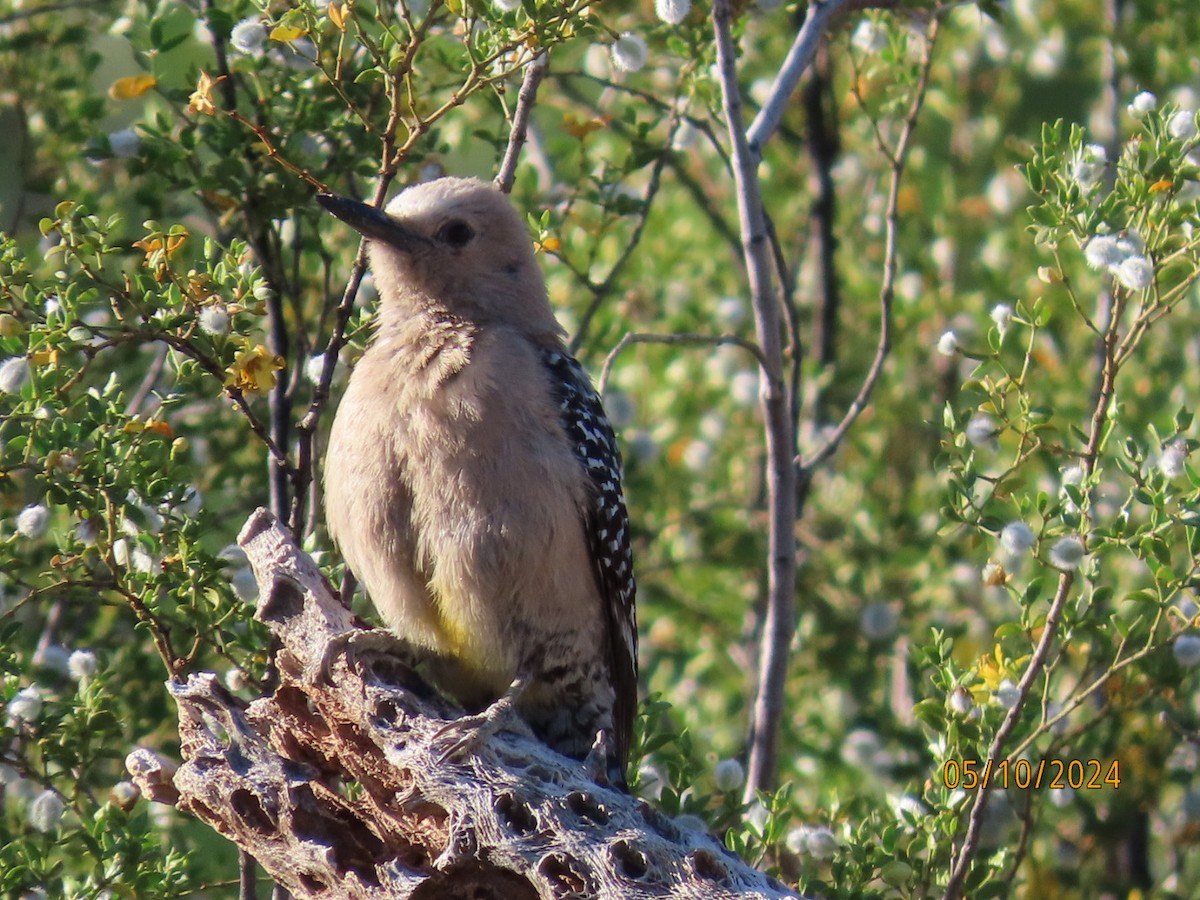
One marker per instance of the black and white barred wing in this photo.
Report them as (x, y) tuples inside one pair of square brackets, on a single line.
[(607, 528)]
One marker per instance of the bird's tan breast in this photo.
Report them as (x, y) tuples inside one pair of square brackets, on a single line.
[(475, 531)]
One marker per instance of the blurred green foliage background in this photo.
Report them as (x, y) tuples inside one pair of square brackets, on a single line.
[(168, 285)]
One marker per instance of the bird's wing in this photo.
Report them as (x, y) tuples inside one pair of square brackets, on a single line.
[(607, 526)]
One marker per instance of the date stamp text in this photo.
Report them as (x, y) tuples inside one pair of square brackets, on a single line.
[(1053, 774)]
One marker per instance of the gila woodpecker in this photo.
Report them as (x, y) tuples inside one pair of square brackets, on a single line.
[(473, 482)]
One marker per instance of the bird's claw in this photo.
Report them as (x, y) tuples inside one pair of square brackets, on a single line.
[(467, 734), (595, 764), (358, 642)]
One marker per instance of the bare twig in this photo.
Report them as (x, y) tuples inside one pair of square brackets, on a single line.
[(535, 71), (306, 432), (601, 291), (1109, 113), (153, 371), (799, 58), (898, 157), (674, 162), (779, 622), (712, 340)]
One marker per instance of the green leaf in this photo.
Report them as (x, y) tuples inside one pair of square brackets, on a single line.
[(1043, 215)]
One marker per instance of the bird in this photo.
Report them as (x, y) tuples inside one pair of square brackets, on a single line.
[(473, 481)]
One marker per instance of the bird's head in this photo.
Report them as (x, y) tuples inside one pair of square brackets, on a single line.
[(456, 244)]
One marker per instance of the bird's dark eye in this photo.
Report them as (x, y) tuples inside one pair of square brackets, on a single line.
[(456, 233)]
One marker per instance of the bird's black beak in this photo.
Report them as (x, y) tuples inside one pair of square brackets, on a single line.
[(371, 222)]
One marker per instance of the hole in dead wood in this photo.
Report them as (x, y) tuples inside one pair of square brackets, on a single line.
[(392, 668), (659, 824), (283, 601), (312, 884), (236, 759), (220, 733), (251, 812), (387, 714), (475, 881), (631, 862), (585, 806), (355, 848), (349, 789), (516, 813), (304, 761), (205, 812), (413, 857), (540, 773), (708, 867), (565, 876)]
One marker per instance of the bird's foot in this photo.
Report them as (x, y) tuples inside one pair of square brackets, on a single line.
[(467, 734), (601, 764), (360, 643), (595, 764)]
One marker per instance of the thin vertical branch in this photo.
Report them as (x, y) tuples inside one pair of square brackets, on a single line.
[(247, 876), (601, 291), (304, 474), (824, 145), (279, 470), (779, 622), (898, 157), (535, 71), (1037, 662), (279, 400)]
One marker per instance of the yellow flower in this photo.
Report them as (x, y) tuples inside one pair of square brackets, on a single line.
[(131, 86), (285, 34), (253, 370), (169, 244), (159, 250), (993, 671), (155, 426), (581, 128), (201, 99)]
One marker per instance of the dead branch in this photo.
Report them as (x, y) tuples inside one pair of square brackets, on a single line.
[(340, 785)]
